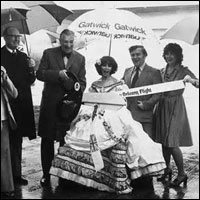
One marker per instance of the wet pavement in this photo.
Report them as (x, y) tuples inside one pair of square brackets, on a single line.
[(32, 171)]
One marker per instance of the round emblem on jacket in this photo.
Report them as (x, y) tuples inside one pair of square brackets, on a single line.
[(77, 86)]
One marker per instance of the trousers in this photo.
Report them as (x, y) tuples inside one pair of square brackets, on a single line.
[(16, 152), (7, 184)]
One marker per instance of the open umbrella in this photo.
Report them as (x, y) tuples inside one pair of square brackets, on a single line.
[(112, 32), (114, 26), (13, 13), (7, 7), (41, 15), (186, 30), (45, 15)]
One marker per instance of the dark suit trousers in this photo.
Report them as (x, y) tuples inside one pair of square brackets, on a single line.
[(148, 128), (47, 155), (16, 152)]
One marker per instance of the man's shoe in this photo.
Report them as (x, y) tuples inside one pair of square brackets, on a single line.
[(8, 194), (20, 181), (143, 182), (45, 181)]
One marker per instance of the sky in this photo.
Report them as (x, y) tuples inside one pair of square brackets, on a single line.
[(76, 5)]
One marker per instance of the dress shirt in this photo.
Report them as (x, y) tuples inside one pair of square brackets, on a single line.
[(140, 70), (11, 50)]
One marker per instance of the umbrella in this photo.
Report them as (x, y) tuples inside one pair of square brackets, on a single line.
[(17, 5), (13, 13), (47, 12), (186, 30), (113, 25), (112, 32), (30, 25), (45, 15)]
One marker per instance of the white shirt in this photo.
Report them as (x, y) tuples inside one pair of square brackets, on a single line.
[(65, 59), (140, 70), (11, 50)]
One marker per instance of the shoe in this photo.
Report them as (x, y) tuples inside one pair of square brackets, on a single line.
[(167, 174), (143, 182), (20, 181), (45, 181), (180, 179), (8, 194)]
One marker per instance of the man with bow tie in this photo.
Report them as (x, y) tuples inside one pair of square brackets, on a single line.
[(20, 69), (52, 70)]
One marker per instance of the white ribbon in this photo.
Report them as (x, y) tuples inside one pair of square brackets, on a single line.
[(152, 89), (94, 147)]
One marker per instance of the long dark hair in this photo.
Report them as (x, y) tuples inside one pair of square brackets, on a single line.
[(174, 49)]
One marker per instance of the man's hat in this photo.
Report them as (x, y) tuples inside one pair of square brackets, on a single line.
[(69, 105), (72, 84)]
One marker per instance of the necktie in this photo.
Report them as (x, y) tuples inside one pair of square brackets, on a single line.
[(135, 78)]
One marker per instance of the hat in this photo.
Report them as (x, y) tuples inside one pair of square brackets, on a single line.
[(69, 105), (71, 84)]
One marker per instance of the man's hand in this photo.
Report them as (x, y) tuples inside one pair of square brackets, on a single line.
[(140, 105), (31, 62), (63, 75), (3, 74)]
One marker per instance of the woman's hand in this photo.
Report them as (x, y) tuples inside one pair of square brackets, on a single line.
[(188, 79)]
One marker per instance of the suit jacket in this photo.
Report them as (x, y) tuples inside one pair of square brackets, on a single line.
[(148, 76), (22, 77), (51, 63)]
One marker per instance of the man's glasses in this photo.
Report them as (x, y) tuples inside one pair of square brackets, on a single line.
[(15, 36)]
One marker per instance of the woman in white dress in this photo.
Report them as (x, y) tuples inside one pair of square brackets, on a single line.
[(127, 152)]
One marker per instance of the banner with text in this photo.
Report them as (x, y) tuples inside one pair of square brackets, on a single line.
[(152, 89)]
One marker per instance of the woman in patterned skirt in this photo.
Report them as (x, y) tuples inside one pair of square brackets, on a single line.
[(126, 150)]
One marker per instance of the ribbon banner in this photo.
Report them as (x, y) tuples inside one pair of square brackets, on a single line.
[(152, 89), (94, 148)]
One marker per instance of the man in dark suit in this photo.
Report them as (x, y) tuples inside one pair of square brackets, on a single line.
[(142, 107), (52, 70), (20, 69), (141, 74)]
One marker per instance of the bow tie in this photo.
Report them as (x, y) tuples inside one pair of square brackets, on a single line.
[(66, 54)]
